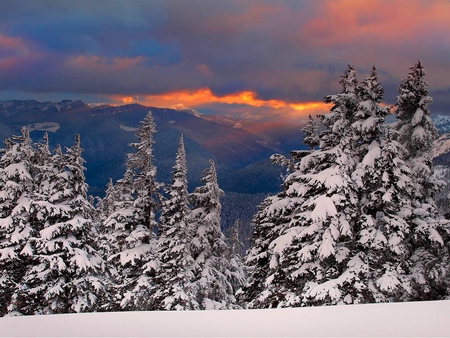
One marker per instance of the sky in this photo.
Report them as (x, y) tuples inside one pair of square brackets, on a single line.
[(223, 56)]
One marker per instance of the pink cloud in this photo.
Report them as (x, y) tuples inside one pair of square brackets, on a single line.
[(351, 21), (10, 44)]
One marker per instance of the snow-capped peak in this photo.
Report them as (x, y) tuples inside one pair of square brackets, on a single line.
[(442, 123), (181, 107)]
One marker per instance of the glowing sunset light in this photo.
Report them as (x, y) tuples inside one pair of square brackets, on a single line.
[(127, 100), (205, 96), (309, 105)]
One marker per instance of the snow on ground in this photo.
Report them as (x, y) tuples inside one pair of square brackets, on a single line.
[(416, 319), (44, 126)]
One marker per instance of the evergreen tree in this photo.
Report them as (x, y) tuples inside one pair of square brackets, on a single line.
[(238, 273), (302, 257), (145, 186), (128, 238), (384, 232), (311, 130), (213, 278), (106, 206), (384, 185), (126, 244), (175, 266), (417, 133), (16, 230), (370, 115), (355, 221), (176, 207), (68, 276)]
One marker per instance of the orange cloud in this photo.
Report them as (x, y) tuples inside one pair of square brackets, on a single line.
[(205, 96)]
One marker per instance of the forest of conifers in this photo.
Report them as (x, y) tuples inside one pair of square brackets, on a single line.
[(355, 221)]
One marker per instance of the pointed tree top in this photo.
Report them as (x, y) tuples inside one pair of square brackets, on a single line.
[(58, 150), (349, 80), (77, 140), (371, 88)]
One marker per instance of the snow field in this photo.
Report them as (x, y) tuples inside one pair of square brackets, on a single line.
[(416, 319)]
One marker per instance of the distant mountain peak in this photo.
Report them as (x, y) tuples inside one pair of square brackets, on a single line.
[(182, 108), (29, 107)]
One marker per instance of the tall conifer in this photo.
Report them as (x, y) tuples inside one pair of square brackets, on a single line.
[(175, 267), (416, 132), (68, 275), (213, 278), (16, 229)]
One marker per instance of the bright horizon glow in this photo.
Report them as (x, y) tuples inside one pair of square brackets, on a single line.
[(204, 96)]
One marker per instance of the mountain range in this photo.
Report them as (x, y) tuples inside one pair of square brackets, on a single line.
[(240, 146), (107, 130)]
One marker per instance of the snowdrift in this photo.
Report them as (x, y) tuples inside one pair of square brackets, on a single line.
[(395, 319)]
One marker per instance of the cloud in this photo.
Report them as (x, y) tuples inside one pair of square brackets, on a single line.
[(205, 95), (102, 64), (286, 51)]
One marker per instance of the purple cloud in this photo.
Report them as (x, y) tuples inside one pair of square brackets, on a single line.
[(292, 51)]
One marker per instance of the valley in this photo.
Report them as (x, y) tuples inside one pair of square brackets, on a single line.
[(242, 157), (240, 146)]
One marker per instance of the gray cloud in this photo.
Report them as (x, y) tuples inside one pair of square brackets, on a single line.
[(286, 50)]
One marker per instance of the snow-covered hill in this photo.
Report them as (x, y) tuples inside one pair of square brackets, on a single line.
[(424, 319), (441, 145), (442, 123)]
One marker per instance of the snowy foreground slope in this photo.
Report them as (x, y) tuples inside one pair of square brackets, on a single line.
[(395, 319)]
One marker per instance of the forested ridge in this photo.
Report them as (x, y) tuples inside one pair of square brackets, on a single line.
[(355, 220)]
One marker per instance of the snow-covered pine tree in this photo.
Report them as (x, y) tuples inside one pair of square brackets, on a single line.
[(338, 121), (145, 186), (175, 266), (213, 278), (118, 217), (106, 205), (42, 159), (16, 230), (384, 192), (370, 115), (384, 229), (176, 208), (302, 256), (311, 132), (68, 276), (128, 237), (271, 219), (238, 271), (416, 132), (126, 245)]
